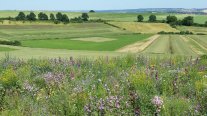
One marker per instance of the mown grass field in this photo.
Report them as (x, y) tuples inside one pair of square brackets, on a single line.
[(121, 40)]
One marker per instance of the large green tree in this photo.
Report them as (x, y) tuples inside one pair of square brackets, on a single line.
[(171, 19), (59, 16), (52, 17), (152, 18), (188, 21), (140, 18), (42, 16), (21, 16), (31, 16), (65, 19), (85, 16), (206, 23)]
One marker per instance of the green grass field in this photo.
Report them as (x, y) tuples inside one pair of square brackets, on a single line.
[(121, 41)]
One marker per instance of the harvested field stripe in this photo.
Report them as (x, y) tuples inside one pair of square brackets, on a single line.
[(198, 43), (159, 46), (193, 45), (139, 46), (180, 47)]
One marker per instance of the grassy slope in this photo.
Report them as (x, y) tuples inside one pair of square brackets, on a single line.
[(121, 40), (144, 27), (115, 16)]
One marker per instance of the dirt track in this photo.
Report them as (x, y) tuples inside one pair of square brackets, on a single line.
[(139, 46)]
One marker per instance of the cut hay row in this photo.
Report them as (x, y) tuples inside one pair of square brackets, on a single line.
[(139, 46)]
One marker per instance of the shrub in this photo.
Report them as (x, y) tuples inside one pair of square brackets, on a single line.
[(8, 79), (14, 43)]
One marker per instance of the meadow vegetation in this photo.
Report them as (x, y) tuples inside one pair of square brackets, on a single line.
[(131, 85)]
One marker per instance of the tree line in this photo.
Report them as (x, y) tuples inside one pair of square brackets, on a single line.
[(172, 20), (57, 18)]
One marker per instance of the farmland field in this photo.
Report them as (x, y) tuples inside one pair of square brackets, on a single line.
[(144, 27), (103, 63), (193, 29)]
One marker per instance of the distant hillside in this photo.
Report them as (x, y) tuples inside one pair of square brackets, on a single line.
[(160, 10)]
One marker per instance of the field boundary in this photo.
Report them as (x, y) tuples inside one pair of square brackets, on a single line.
[(139, 46)]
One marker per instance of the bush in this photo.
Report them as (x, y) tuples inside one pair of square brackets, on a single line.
[(14, 43), (57, 22)]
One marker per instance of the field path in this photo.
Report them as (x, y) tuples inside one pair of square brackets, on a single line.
[(139, 46)]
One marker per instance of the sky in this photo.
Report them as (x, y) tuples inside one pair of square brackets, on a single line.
[(98, 4)]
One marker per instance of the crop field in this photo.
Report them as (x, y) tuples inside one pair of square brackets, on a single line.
[(27, 32), (144, 27), (193, 29)]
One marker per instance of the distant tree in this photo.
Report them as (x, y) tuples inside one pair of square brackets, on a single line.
[(65, 19), (152, 18), (42, 16), (31, 16), (52, 17), (59, 16), (20, 16), (171, 19), (206, 23), (140, 18), (91, 11), (188, 21), (85, 16)]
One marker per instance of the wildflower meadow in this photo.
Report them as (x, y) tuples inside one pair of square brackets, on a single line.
[(118, 86)]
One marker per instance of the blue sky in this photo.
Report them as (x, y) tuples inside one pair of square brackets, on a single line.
[(98, 4)]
